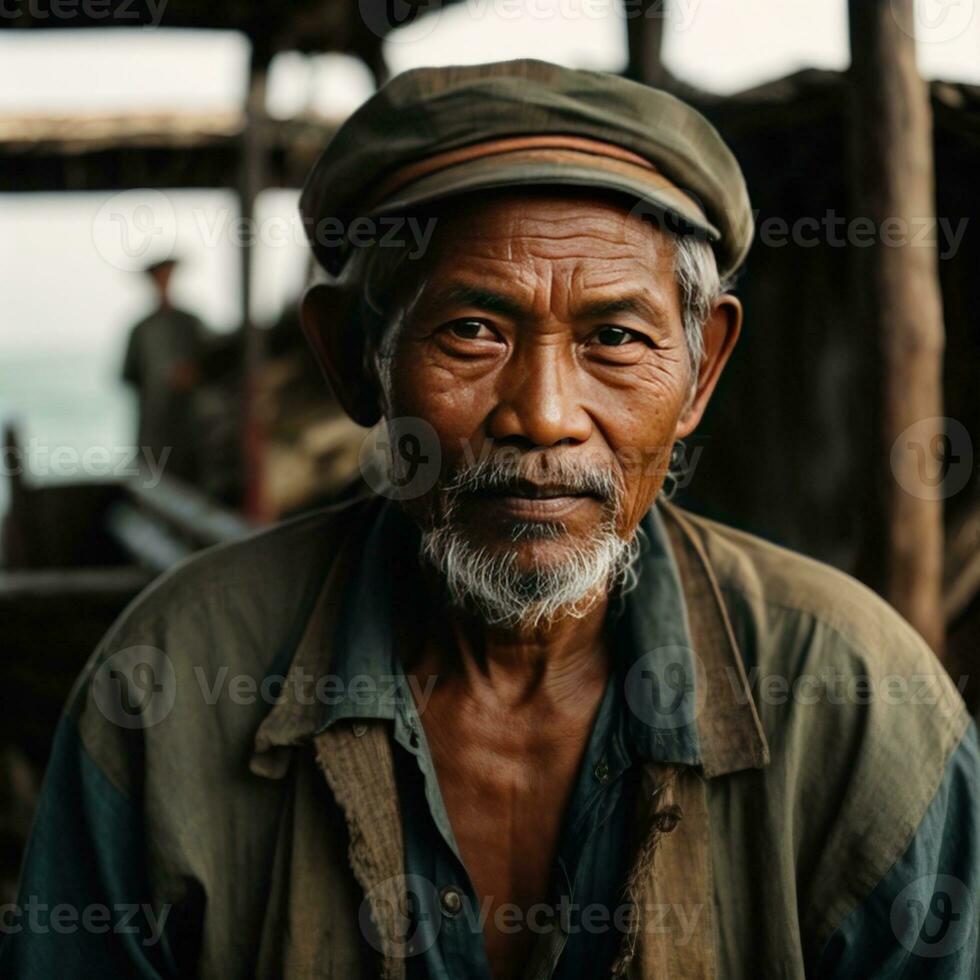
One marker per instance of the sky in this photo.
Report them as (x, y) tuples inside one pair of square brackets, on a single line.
[(67, 290)]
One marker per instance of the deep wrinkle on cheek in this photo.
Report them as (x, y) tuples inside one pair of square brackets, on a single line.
[(426, 387)]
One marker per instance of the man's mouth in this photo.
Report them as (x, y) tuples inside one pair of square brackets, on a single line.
[(529, 501), (526, 490)]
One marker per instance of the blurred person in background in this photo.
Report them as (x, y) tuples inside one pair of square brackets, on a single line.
[(162, 362)]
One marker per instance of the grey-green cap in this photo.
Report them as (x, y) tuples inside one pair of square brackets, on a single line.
[(433, 133)]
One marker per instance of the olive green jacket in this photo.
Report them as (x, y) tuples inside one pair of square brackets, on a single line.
[(834, 798)]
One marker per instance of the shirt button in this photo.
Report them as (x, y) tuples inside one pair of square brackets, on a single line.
[(602, 770), (451, 900)]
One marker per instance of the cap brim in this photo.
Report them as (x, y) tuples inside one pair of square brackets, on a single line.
[(655, 195)]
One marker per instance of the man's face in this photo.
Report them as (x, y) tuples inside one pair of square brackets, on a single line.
[(547, 333), (161, 278)]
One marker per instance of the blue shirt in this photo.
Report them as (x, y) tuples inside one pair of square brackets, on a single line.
[(648, 702)]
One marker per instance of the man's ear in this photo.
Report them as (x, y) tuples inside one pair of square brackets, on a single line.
[(327, 315), (721, 331)]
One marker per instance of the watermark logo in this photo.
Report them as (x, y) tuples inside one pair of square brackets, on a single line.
[(382, 17), (934, 21), (833, 230), (934, 916), (135, 227), (401, 458), (129, 13), (666, 687), (135, 687), (663, 218), (399, 916), (418, 17), (933, 458), (678, 14), (38, 459), (402, 916), (143, 922), (682, 465)]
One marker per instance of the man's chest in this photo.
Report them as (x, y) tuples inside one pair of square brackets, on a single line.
[(506, 780)]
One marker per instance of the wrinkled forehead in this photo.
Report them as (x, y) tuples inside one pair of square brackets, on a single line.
[(566, 227)]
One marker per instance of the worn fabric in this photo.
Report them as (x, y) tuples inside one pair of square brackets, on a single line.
[(448, 113), (810, 809), (580, 923)]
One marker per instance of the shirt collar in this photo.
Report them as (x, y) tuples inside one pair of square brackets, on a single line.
[(656, 657), (655, 666), (688, 702), (369, 679)]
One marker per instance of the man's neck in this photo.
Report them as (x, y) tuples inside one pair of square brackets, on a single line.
[(554, 663)]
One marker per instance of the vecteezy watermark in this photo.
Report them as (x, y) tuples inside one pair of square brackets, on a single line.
[(136, 226), (831, 685), (133, 227), (402, 916), (666, 688), (383, 17), (418, 18), (933, 458), (130, 13), (934, 916), (64, 919), (396, 916), (360, 231), (830, 229), (367, 692), (135, 687), (386, 231), (933, 21), (682, 465), (38, 459), (834, 230), (401, 458)]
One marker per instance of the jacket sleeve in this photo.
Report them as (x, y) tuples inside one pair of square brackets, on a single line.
[(922, 919), (83, 907)]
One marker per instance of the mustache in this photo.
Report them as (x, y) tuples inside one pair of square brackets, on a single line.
[(521, 473)]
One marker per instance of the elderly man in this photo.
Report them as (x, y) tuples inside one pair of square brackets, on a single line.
[(511, 716)]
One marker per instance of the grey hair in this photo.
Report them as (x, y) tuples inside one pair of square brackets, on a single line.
[(701, 285)]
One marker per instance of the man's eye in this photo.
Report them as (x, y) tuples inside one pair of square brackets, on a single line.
[(614, 336), (470, 329)]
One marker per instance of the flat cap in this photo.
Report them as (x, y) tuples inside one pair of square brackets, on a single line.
[(433, 133)]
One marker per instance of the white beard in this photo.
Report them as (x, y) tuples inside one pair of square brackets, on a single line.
[(500, 593)]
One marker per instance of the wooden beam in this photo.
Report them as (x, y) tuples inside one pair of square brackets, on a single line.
[(252, 181), (644, 36), (188, 513), (44, 589), (891, 137)]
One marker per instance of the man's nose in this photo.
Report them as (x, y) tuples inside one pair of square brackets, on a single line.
[(539, 400)]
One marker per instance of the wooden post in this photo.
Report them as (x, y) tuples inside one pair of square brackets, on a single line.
[(892, 143), (644, 35), (251, 182)]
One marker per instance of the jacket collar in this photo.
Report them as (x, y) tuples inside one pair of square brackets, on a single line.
[(690, 696), (730, 730)]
